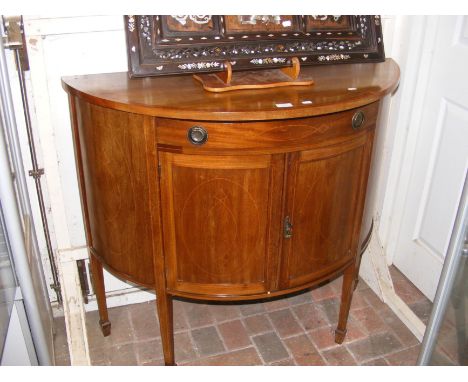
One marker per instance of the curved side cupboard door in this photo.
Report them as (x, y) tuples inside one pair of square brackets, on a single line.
[(221, 223), (324, 200)]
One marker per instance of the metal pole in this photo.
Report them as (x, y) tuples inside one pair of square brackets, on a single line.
[(36, 174), (449, 272)]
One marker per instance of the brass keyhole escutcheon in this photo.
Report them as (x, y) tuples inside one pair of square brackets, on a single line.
[(287, 228), (358, 120)]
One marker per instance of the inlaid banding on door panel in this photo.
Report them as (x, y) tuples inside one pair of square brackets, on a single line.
[(443, 184), (214, 199), (221, 206)]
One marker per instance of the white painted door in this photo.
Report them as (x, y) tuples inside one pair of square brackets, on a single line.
[(438, 155)]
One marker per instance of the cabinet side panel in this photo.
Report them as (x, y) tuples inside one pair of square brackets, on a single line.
[(115, 177)]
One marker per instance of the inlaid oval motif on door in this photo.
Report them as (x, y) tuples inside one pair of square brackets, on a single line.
[(222, 229), (220, 214)]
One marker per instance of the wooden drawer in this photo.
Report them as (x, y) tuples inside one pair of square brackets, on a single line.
[(261, 137)]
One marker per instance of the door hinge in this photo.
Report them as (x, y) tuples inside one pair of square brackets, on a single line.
[(14, 38), (287, 228)]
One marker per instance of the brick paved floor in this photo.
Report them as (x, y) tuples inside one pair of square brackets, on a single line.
[(297, 330)]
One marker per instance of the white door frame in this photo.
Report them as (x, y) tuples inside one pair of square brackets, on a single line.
[(412, 49), (407, 120)]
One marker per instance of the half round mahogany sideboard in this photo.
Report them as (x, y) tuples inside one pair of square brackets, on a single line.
[(240, 195)]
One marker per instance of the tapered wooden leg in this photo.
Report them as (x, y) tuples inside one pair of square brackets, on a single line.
[(164, 305), (100, 291), (346, 296)]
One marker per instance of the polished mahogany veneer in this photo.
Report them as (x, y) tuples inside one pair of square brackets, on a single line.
[(232, 196)]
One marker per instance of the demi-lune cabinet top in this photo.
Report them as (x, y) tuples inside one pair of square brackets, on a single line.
[(336, 88)]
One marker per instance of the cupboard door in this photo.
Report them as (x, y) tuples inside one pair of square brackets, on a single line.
[(324, 203), (221, 222)]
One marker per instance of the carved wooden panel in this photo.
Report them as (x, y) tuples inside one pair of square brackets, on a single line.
[(217, 213), (170, 44)]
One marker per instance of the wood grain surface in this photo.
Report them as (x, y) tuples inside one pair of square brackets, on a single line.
[(336, 88)]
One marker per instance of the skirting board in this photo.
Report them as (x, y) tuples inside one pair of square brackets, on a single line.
[(375, 272)]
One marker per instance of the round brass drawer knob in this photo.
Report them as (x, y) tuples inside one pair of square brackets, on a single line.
[(358, 120), (197, 135)]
